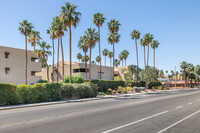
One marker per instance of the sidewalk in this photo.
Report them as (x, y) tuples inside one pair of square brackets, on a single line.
[(79, 100)]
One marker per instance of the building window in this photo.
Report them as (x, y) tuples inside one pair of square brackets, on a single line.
[(102, 72), (33, 59), (33, 73), (7, 69), (79, 70), (6, 55)]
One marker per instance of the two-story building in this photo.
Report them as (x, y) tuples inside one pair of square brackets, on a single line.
[(12, 66)]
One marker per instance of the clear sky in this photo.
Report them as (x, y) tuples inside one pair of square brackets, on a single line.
[(174, 23)]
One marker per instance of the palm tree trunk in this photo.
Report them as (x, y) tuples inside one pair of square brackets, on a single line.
[(154, 58), (100, 52), (148, 56), (85, 67), (137, 53), (26, 61), (90, 63), (70, 54), (110, 61), (122, 62), (53, 61), (63, 73), (58, 60), (113, 59), (47, 72), (105, 60), (125, 62), (185, 77), (144, 58)]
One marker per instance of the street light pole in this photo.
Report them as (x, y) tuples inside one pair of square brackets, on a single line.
[(175, 77)]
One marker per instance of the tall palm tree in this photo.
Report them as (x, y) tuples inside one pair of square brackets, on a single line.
[(52, 32), (110, 55), (113, 27), (70, 16), (98, 59), (125, 54), (43, 53), (79, 56), (184, 65), (98, 20), (154, 45), (93, 37), (197, 73), (25, 29), (189, 69), (121, 58), (83, 45), (105, 53), (34, 38), (148, 37), (117, 62), (85, 59), (143, 43), (58, 24), (135, 35)]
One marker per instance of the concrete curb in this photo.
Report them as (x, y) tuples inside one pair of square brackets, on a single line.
[(50, 103)]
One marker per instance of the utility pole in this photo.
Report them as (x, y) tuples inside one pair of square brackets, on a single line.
[(175, 77)]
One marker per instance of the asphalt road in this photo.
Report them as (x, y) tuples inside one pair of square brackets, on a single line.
[(166, 112)]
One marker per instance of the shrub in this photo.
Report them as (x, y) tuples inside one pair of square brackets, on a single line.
[(104, 85), (129, 88), (75, 79), (110, 90), (42, 81), (114, 92), (67, 91), (138, 84), (8, 94), (119, 89), (154, 84), (124, 90), (108, 93), (101, 93)]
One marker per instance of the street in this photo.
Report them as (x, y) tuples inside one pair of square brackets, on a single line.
[(162, 112)]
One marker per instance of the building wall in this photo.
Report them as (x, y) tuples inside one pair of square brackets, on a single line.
[(16, 63), (106, 75)]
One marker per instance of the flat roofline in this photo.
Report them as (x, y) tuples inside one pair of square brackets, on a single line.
[(15, 48)]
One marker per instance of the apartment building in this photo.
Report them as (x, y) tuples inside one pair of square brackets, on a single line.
[(12, 66), (77, 69)]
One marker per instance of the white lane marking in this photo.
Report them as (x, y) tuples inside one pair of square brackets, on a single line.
[(189, 103), (178, 122), (198, 100), (179, 107), (135, 122)]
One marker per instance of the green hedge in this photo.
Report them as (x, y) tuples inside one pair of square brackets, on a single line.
[(8, 94), (154, 84), (75, 79), (11, 94), (79, 90), (104, 85), (138, 84)]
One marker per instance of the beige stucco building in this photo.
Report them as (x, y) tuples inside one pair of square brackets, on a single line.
[(12, 66), (77, 69)]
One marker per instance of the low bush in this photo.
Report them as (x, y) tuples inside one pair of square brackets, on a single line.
[(154, 84), (79, 90), (138, 84), (104, 85), (9, 95), (42, 81), (119, 89), (75, 79)]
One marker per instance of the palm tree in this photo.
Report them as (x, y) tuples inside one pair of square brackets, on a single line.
[(98, 20), (34, 38), (58, 24), (184, 65), (98, 59), (189, 69), (110, 55), (121, 58), (25, 29), (113, 27), (197, 73), (144, 43), (125, 54), (148, 37), (43, 54), (117, 62), (166, 72), (93, 62), (83, 44), (105, 53), (154, 45), (135, 35), (93, 37), (52, 32), (85, 59), (79, 56), (71, 18)]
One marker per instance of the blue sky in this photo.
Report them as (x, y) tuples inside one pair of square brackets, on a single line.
[(174, 23)]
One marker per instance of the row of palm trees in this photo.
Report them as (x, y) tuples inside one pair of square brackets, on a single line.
[(69, 17), (190, 72)]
